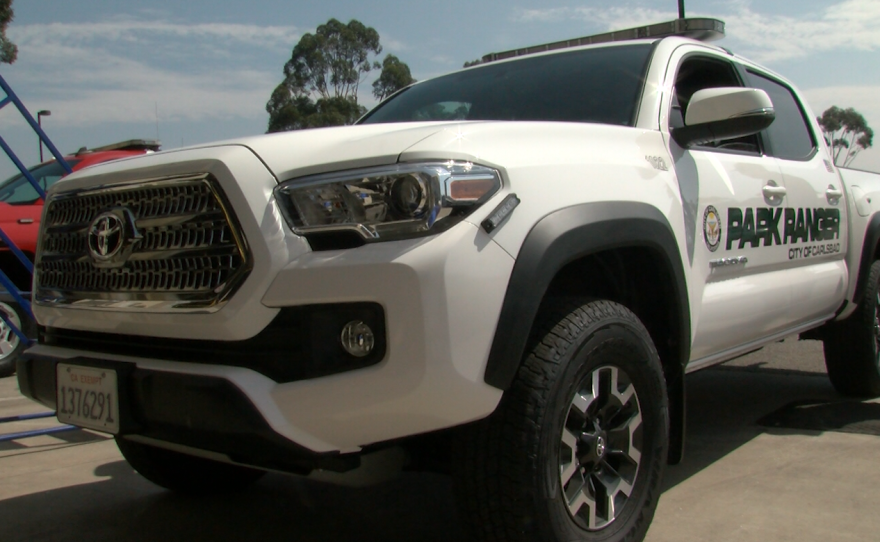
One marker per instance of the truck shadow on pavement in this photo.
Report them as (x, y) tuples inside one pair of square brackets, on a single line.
[(125, 507), (724, 407), (730, 406)]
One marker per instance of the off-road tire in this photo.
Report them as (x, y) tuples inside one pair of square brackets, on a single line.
[(513, 477), (852, 347), (12, 346), (184, 473)]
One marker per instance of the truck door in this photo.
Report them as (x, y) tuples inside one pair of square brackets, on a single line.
[(814, 225), (734, 196)]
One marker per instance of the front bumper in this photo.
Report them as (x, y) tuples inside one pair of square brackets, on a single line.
[(193, 411), (441, 298)]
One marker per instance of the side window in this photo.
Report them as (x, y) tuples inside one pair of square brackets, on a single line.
[(698, 73), (18, 191), (789, 135)]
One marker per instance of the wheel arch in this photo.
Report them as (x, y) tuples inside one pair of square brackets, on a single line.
[(870, 253), (616, 247)]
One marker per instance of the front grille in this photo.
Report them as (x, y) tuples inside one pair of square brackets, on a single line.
[(157, 200), (175, 246)]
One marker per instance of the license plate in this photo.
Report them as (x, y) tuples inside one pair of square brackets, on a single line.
[(88, 397)]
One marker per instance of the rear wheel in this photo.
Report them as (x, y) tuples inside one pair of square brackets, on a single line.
[(185, 473), (852, 347), (577, 447), (11, 345)]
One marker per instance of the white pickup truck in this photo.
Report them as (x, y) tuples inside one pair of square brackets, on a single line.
[(504, 272)]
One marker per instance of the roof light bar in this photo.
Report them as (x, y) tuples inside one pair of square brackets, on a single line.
[(702, 29), (128, 145)]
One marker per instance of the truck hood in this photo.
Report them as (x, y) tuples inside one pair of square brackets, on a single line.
[(306, 152), (492, 143), (500, 144)]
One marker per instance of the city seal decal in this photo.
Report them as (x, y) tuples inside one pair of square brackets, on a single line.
[(712, 228)]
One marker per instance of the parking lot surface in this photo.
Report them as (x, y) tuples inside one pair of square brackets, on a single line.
[(773, 454)]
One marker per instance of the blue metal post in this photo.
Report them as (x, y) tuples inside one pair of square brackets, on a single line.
[(11, 97), (24, 170), (36, 432), (7, 284), (22, 417), (18, 253)]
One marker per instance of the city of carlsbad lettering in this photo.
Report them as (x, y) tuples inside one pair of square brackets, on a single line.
[(780, 226)]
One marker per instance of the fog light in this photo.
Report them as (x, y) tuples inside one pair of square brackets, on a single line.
[(357, 338)]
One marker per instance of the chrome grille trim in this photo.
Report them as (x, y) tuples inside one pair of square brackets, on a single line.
[(187, 251)]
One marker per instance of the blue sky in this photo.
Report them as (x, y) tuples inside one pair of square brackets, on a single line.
[(197, 70)]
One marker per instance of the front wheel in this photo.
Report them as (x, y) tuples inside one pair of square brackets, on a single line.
[(185, 473), (852, 347), (577, 447)]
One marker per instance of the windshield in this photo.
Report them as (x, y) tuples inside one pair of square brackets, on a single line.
[(16, 190), (600, 85)]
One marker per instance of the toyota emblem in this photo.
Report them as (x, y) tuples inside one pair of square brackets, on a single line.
[(600, 447), (106, 236)]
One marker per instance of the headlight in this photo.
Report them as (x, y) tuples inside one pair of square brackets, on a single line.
[(392, 202)]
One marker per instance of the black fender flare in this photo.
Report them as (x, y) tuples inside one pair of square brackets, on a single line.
[(869, 252), (567, 235), (562, 237)]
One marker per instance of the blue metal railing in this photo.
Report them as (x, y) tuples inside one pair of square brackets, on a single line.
[(33, 433), (5, 282)]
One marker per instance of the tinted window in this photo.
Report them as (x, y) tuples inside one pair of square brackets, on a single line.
[(17, 189), (593, 85), (789, 134)]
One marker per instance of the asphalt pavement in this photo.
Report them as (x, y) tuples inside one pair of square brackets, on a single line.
[(773, 454)]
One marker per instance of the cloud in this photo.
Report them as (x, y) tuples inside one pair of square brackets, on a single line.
[(606, 18), (847, 25), (392, 45), (119, 70), (131, 31), (445, 59), (546, 15), (863, 98)]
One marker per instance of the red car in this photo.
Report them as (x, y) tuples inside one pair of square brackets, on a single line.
[(20, 211), (21, 205)]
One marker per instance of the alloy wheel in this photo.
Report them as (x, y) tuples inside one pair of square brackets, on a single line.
[(600, 452)]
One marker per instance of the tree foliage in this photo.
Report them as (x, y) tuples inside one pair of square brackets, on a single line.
[(470, 63), (8, 50), (331, 61), (846, 132), (322, 77), (288, 112), (395, 76)]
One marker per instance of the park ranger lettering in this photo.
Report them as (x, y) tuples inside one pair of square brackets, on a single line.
[(780, 226)]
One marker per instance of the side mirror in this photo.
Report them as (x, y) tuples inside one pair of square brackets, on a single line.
[(716, 114)]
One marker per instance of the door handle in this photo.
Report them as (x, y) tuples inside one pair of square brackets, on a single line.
[(25, 220), (773, 191), (833, 195)]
